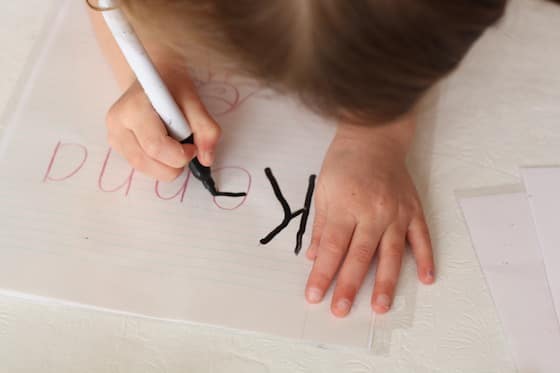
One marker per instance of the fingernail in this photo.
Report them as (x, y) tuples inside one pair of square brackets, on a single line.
[(430, 274), (343, 306), (383, 301), (314, 295)]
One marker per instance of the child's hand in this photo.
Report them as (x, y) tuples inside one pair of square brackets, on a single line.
[(365, 202), (137, 133)]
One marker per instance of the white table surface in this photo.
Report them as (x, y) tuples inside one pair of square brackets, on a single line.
[(499, 112)]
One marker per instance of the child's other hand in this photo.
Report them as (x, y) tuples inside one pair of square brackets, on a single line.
[(365, 203), (137, 133)]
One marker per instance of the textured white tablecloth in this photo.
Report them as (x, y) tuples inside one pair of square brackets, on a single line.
[(500, 111)]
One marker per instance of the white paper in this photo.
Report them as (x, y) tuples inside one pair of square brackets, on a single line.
[(505, 240), (78, 225), (543, 188)]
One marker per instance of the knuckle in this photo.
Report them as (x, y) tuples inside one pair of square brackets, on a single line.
[(214, 131), (136, 160), (315, 239), (209, 134), (333, 244), (382, 201), (362, 254), (393, 249), (322, 279), (134, 95), (385, 202), (387, 214), (111, 118), (412, 208), (153, 146), (125, 106)]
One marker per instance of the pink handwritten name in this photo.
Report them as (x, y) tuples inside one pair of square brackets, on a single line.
[(127, 183), (80, 164), (76, 155)]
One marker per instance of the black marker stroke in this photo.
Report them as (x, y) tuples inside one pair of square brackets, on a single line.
[(228, 194), (288, 214), (305, 215)]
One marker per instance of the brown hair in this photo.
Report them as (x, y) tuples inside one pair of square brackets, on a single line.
[(363, 60)]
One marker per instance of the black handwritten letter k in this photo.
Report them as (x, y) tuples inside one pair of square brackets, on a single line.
[(288, 214)]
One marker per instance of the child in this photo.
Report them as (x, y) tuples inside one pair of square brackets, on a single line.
[(365, 63)]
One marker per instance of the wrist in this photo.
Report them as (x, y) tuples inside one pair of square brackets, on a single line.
[(395, 136)]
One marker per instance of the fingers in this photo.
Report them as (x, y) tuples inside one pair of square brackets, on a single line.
[(419, 237), (391, 249), (125, 143), (355, 267), (333, 245), (331, 237), (205, 129), (153, 139)]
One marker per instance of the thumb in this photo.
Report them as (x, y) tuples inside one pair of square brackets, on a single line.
[(205, 129)]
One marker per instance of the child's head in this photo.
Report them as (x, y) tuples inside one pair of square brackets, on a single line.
[(367, 60)]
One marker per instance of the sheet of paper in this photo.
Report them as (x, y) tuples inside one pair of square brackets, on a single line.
[(543, 188), (505, 240), (77, 224)]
